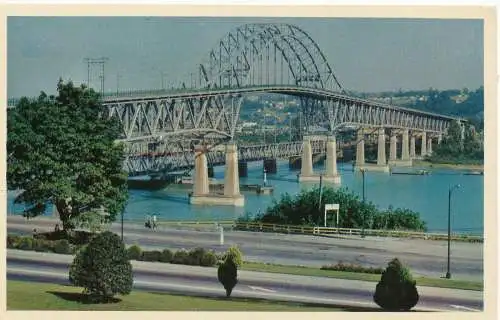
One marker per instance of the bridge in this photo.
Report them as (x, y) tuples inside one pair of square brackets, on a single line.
[(162, 128)]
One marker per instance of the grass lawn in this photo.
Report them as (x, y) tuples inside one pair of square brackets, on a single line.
[(42, 296), (316, 272)]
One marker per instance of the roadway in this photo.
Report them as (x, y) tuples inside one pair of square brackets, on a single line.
[(424, 257), (202, 281)]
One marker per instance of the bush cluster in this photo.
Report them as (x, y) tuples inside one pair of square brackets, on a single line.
[(303, 210), (193, 257), (40, 245), (350, 267)]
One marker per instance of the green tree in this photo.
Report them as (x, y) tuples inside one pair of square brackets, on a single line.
[(227, 273), (62, 152), (396, 291), (102, 268)]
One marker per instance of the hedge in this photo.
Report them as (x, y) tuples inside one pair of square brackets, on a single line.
[(194, 257), (352, 268)]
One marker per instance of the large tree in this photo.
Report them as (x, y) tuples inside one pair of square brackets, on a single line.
[(61, 151)]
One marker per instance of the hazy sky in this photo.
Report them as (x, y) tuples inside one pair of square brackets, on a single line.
[(365, 54)]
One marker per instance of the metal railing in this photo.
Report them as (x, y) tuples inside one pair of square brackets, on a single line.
[(325, 231)]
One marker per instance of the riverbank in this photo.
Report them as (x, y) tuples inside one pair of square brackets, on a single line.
[(458, 166)]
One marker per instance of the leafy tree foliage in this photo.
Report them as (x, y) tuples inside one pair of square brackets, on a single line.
[(227, 273), (396, 291), (61, 152), (353, 213), (103, 268), (454, 149)]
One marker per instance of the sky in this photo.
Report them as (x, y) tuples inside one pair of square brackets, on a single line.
[(367, 55)]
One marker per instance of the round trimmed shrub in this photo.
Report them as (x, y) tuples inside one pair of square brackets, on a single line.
[(25, 243), (12, 241), (102, 268), (209, 259), (195, 256), (62, 246), (134, 252), (234, 254), (181, 257), (166, 256), (396, 291), (227, 273), (151, 256)]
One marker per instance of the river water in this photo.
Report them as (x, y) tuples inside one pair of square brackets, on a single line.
[(426, 194)]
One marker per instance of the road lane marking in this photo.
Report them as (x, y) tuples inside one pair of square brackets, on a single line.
[(464, 308), (261, 289)]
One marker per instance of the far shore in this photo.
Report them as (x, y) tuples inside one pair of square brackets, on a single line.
[(459, 166)]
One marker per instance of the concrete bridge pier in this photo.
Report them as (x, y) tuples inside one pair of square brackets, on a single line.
[(405, 160), (331, 161), (360, 150), (242, 169), (306, 170), (423, 145), (393, 148), (429, 146), (413, 154), (200, 178), (231, 194), (270, 165), (440, 138)]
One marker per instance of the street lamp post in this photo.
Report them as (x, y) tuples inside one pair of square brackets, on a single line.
[(448, 274), (364, 217)]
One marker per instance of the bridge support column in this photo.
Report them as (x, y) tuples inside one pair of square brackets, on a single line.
[(231, 194), (306, 170), (231, 179), (429, 146), (200, 179), (405, 160), (242, 169), (440, 138), (413, 154), (331, 161), (423, 145), (393, 148), (360, 150), (270, 166)]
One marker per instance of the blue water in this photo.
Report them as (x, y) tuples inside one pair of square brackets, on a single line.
[(427, 195)]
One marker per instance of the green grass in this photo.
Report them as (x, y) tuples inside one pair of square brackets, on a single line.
[(315, 272), (42, 296)]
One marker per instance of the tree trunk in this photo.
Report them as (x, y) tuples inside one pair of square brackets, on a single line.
[(65, 211)]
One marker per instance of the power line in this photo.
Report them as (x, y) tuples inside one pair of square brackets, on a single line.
[(96, 61)]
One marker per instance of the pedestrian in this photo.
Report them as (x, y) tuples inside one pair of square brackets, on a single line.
[(147, 223), (35, 233), (154, 222)]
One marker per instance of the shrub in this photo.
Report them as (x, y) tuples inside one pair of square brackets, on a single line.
[(41, 245), (195, 256), (134, 252), (25, 243), (396, 290), (234, 254), (166, 256), (102, 268), (62, 246), (227, 273), (12, 241), (353, 268), (151, 256), (180, 257), (209, 259)]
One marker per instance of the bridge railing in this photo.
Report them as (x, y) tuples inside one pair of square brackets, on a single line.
[(329, 231)]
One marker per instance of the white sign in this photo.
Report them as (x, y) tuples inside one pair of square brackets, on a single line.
[(332, 206)]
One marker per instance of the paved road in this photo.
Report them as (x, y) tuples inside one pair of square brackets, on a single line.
[(424, 257), (47, 267)]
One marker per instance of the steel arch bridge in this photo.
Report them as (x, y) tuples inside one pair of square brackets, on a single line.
[(204, 107)]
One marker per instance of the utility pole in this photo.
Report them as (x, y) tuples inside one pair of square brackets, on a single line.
[(96, 61)]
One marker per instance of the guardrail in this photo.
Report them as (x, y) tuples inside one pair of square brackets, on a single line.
[(328, 231)]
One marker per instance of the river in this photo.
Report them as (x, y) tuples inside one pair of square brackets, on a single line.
[(426, 194)]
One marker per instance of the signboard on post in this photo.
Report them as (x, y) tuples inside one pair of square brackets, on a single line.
[(332, 207)]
